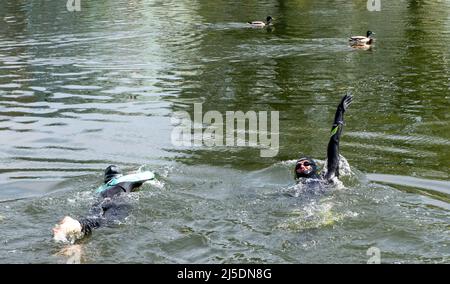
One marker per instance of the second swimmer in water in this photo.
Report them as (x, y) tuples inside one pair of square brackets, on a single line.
[(108, 210)]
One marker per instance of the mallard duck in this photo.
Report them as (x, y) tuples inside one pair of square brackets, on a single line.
[(261, 24), (362, 41)]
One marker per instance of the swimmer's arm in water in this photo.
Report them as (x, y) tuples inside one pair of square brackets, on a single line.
[(336, 131), (121, 188), (70, 229), (132, 186), (105, 213), (88, 224)]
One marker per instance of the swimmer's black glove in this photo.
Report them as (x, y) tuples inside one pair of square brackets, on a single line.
[(345, 102)]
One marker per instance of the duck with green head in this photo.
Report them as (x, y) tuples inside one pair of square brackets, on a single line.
[(362, 41)]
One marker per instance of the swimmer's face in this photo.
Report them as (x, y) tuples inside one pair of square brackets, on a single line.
[(304, 168)]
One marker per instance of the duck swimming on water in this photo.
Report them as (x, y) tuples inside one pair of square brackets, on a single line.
[(261, 24), (362, 41)]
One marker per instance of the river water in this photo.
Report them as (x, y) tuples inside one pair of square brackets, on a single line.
[(85, 89)]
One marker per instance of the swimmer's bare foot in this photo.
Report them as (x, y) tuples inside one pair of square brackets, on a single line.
[(68, 230)]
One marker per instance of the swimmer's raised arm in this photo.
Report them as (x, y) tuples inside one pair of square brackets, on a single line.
[(336, 131)]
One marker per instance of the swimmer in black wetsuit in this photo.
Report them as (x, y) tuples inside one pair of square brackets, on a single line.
[(106, 211), (305, 167)]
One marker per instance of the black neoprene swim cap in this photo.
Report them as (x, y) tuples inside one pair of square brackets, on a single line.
[(111, 172)]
